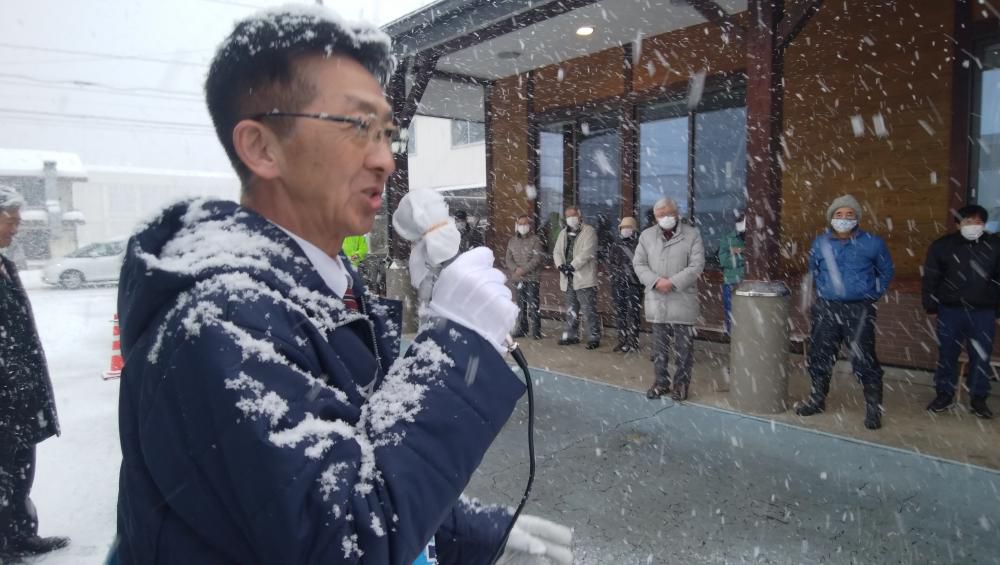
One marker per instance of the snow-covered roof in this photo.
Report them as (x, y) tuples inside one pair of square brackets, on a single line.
[(31, 163), (34, 215), (74, 216), (115, 170)]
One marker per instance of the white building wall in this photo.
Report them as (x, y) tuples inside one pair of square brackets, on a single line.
[(115, 200), (434, 163)]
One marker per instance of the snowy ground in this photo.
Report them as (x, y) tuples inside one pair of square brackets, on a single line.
[(642, 482)]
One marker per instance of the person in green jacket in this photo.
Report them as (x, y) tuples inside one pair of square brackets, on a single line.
[(356, 249), (733, 266)]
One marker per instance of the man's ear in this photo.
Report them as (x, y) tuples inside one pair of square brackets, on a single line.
[(259, 149)]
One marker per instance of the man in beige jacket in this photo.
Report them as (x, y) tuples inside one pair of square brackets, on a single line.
[(524, 258), (668, 261), (575, 255)]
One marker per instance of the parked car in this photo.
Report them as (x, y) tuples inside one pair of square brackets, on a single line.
[(97, 262)]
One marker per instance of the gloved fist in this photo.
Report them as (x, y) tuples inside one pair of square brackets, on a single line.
[(471, 293), (537, 541), (567, 269)]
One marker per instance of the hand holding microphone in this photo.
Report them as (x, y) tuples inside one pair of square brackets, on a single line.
[(472, 293)]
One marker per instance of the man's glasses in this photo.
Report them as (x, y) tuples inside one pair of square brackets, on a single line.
[(365, 128)]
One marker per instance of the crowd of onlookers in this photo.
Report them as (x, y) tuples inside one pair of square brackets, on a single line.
[(656, 271)]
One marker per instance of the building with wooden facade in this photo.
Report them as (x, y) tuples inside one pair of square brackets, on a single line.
[(775, 106)]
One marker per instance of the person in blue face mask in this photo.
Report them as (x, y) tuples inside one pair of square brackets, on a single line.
[(852, 270)]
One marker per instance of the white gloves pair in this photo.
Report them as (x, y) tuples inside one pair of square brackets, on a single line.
[(471, 293), (537, 541)]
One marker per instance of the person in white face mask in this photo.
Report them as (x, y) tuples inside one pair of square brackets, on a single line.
[(524, 258), (575, 256), (669, 260), (733, 266), (626, 288), (960, 282), (851, 269)]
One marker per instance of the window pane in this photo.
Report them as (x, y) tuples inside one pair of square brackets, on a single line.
[(550, 177), (464, 132), (719, 173), (663, 164), (988, 135), (459, 132), (477, 132), (599, 166)]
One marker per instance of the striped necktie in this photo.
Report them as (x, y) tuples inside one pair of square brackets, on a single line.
[(350, 301)]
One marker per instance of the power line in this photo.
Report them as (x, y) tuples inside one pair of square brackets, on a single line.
[(86, 84), (230, 3), (105, 55), (16, 112)]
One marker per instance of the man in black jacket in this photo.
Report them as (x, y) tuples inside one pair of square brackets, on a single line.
[(27, 407), (961, 285)]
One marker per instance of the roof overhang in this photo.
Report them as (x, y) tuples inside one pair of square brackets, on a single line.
[(452, 47)]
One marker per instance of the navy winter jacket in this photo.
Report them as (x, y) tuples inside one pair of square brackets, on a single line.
[(261, 422), (855, 269)]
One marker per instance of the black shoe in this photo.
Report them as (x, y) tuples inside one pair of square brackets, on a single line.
[(537, 335), (979, 407), (680, 393), (810, 408), (657, 391), (873, 415), (941, 402), (519, 333), (569, 341), (34, 545), (593, 344), (619, 347)]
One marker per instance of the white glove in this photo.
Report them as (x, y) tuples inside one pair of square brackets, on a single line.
[(471, 293), (537, 541), (422, 216)]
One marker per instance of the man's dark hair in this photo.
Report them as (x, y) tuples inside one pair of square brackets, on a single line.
[(461, 215), (972, 211), (255, 69)]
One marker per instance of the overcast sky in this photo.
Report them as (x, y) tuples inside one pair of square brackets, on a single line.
[(119, 81)]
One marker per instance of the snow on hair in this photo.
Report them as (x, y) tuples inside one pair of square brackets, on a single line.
[(10, 199)]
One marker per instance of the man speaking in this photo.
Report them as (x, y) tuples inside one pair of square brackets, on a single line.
[(262, 416)]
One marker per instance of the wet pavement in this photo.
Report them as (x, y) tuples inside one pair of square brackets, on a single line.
[(657, 482)]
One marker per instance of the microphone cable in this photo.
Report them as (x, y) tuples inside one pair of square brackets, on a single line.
[(518, 356)]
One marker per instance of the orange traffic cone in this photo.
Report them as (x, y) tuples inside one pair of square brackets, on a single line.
[(116, 353)]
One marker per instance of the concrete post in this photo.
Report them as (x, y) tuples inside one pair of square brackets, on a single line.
[(759, 348), (398, 287)]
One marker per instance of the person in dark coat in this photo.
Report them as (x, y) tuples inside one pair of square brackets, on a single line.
[(961, 286), (472, 237), (626, 288), (264, 416), (27, 405)]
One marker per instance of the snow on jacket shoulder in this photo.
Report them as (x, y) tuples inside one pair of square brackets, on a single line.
[(858, 268), (261, 422)]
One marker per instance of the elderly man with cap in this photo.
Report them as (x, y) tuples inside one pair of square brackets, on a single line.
[(852, 270), (626, 289), (27, 406)]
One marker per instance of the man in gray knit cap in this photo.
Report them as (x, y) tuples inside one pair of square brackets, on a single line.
[(851, 269)]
